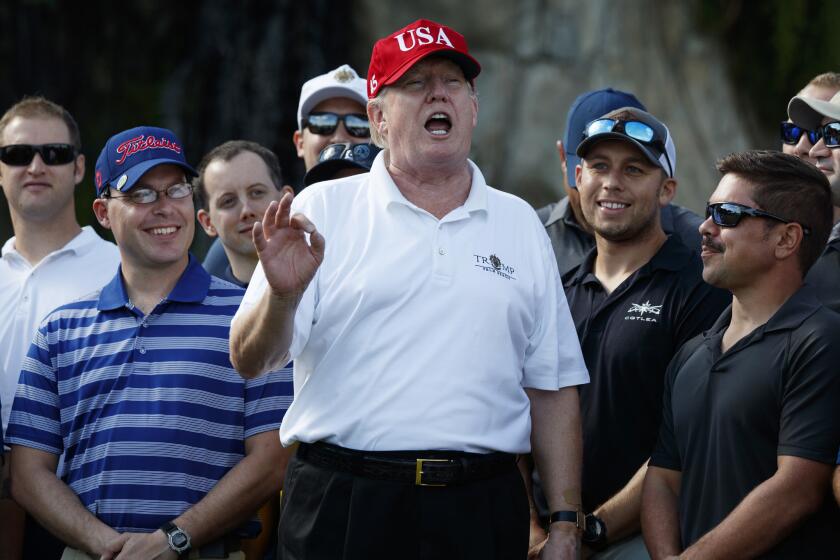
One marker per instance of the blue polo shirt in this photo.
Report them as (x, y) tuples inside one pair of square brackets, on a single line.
[(147, 409)]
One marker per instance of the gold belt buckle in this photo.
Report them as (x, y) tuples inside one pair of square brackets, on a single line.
[(418, 476)]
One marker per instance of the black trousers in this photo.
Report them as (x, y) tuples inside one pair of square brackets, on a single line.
[(334, 515)]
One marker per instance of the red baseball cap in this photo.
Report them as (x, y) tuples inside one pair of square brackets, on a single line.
[(393, 55)]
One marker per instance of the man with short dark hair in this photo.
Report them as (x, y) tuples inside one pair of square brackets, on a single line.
[(432, 341), (571, 237), (50, 261), (635, 299), (236, 182), (166, 449), (750, 429)]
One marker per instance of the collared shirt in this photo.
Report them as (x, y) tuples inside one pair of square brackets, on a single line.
[(728, 416), (628, 337), (28, 293), (147, 409), (571, 242), (422, 333), (824, 275)]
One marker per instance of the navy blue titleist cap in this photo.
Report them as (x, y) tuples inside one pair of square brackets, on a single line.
[(585, 109)]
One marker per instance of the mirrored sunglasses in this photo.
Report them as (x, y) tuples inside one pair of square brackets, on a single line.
[(325, 123), (791, 134), (729, 214)]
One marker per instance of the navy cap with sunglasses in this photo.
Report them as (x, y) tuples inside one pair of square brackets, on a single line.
[(339, 157), (19, 155), (729, 214), (638, 127), (585, 109)]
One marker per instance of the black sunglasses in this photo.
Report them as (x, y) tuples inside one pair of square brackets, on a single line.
[(51, 154), (830, 134), (791, 134), (326, 123), (729, 214)]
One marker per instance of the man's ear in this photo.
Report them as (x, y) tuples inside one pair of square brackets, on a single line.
[(297, 139), (100, 210), (667, 192), (79, 170), (203, 217), (790, 240), (376, 117)]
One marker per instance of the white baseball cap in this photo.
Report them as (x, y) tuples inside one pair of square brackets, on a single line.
[(808, 112), (341, 82)]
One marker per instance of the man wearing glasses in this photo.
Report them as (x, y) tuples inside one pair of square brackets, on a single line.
[(635, 299), (431, 338), (166, 449), (50, 260), (823, 118), (798, 140), (750, 428)]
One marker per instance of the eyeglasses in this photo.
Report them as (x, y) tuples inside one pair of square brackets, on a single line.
[(729, 214), (636, 130), (51, 154), (830, 134), (326, 123), (147, 195), (362, 154), (791, 134)]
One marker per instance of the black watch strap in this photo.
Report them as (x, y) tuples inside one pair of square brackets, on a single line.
[(570, 516), (178, 539)]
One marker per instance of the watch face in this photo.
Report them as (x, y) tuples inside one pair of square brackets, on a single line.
[(179, 539)]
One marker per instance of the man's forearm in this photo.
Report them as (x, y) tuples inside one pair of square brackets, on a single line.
[(660, 517), (260, 340), (240, 493), (40, 492), (766, 515), (621, 513)]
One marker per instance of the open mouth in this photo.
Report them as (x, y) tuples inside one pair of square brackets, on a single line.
[(439, 124)]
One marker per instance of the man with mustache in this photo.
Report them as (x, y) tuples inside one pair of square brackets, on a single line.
[(750, 428)]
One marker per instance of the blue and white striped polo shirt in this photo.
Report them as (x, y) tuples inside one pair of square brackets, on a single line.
[(148, 410)]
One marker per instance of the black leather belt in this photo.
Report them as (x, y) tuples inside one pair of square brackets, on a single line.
[(433, 468)]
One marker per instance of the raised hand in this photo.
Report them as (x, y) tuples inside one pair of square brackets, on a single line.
[(288, 260)]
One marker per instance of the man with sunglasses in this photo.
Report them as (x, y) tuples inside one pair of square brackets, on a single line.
[(823, 117), (166, 448), (431, 339), (798, 140), (571, 237), (50, 260), (331, 109), (750, 428), (635, 299)]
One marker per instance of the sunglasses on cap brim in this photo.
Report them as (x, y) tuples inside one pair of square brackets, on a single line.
[(637, 130)]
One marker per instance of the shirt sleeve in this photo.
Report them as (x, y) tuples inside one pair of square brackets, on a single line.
[(666, 454), (36, 412), (809, 424), (267, 398), (553, 358)]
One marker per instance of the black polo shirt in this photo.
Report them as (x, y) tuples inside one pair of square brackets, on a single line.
[(572, 243), (825, 275), (726, 418), (628, 338)]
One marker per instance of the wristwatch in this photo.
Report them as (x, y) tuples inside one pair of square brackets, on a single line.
[(572, 516), (179, 540), (595, 533)]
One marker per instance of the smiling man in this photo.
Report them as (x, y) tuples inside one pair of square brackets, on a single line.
[(432, 341), (638, 288), (750, 427), (236, 182), (166, 448)]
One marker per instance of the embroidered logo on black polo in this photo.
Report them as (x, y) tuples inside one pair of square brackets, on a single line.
[(494, 265), (641, 309)]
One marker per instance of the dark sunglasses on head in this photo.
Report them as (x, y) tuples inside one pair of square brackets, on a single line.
[(830, 134), (636, 130), (51, 154), (359, 153), (729, 214), (147, 195), (791, 134), (326, 123)]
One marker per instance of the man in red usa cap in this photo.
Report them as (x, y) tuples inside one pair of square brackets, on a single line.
[(431, 337)]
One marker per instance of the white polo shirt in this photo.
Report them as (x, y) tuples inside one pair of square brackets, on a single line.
[(28, 293), (419, 333)]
